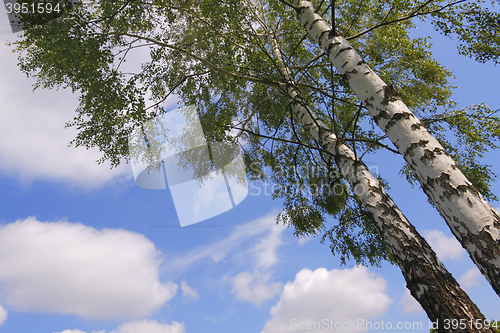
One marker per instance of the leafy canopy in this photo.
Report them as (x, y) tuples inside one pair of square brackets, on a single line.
[(215, 55)]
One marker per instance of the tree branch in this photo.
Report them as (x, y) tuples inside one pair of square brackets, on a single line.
[(409, 16)]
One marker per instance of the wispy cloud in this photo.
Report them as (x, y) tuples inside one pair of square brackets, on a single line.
[(258, 286), (470, 279), (188, 292), (265, 250), (409, 304), (304, 240), (141, 326), (254, 285), (3, 315), (218, 250), (149, 326)]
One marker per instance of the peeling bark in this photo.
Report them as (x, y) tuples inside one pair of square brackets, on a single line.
[(470, 217), (429, 282)]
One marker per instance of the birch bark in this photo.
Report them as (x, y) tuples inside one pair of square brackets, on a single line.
[(429, 282), (473, 221)]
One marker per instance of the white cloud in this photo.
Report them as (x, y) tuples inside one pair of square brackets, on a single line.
[(3, 315), (254, 287), (445, 247), (141, 326), (470, 279), (188, 292), (335, 295), (409, 304), (69, 268), (149, 326), (33, 141)]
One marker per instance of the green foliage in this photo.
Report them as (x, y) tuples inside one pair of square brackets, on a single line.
[(476, 26), (312, 193), (214, 54)]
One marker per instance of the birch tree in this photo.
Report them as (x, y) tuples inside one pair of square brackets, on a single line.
[(473, 221), (211, 53), (429, 282)]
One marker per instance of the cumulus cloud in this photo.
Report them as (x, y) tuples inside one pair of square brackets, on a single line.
[(470, 279), (409, 304), (445, 247), (70, 268), (254, 287), (3, 315), (337, 295), (33, 141), (141, 326), (188, 292)]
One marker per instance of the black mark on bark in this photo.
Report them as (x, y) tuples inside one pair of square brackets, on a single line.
[(390, 95), (409, 150)]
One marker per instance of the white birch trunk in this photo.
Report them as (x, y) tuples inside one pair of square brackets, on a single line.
[(470, 217), (429, 282)]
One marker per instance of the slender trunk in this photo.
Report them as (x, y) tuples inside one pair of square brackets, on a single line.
[(429, 282), (470, 217)]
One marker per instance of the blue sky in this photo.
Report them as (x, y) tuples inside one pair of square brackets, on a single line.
[(83, 249)]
